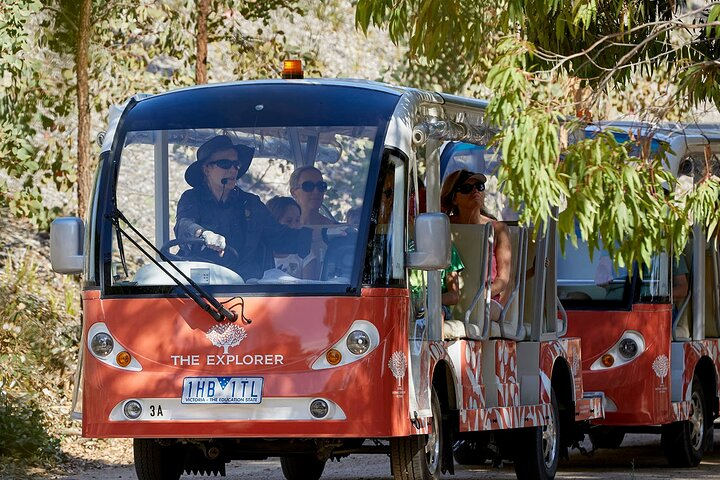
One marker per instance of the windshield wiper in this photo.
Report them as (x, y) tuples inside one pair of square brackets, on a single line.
[(205, 300)]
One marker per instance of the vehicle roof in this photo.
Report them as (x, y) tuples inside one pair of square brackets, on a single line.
[(665, 131), (345, 82), (212, 91)]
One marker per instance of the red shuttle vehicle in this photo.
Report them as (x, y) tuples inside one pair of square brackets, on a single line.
[(307, 342), (651, 342)]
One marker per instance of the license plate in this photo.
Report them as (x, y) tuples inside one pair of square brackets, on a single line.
[(222, 390)]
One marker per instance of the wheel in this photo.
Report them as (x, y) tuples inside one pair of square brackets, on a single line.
[(165, 250), (418, 457), (537, 449), (154, 461), (684, 442), (606, 437), (302, 467), (469, 452)]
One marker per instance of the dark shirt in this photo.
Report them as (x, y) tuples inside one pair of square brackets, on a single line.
[(247, 225)]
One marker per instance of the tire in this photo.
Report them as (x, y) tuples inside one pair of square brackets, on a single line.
[(606, 437), (154, 461), (684, 442), (418, 457), (302, 467), (537, 449), (469, 452)]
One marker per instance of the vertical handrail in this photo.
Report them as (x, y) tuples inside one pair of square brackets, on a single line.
[(162, 189), (716, 282), (563, 314), (518, 292), (538, 297), (698, 285), (485, 286)]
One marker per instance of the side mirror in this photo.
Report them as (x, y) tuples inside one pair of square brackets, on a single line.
[(66, 244), (432, 242)]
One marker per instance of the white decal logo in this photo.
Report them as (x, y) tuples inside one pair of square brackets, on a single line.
[(398, 365), (226, 335), (660, 366)]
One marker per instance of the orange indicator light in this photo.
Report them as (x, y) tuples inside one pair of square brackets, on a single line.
[(123, 358), (333, 356), (608, 360), (292, 69)]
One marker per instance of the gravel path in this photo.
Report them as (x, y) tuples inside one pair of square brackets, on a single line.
[(639, 458)]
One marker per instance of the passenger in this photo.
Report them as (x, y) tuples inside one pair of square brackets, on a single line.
[(450, 279), (352, 217), (287, 212), (462, 198), (450, 283), (223, 215), (308, 188)]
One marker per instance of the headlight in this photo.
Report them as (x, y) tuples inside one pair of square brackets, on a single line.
[(628, 348), (102, 344), (358, 342)]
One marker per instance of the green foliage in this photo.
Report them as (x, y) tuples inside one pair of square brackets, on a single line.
[(702, 203), (38, 348), (536, 48), (23, 434), (433, 25), (628, 203), (615, 196), (135, 47), (699, 72), (606, 31), (31, 115)]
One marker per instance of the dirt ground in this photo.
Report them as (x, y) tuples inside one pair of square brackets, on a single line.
[(640, 457)]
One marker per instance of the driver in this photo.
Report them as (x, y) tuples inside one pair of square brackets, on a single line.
[(217, 211)]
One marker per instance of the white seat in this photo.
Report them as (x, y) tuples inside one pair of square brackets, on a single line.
[(473, 243), (508, 317)]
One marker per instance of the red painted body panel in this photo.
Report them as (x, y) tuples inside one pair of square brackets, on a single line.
[(156, 331), (642, 395), (171, 338)]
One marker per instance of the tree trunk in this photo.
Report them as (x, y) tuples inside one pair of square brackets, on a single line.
[(84, 171), (201, 75)]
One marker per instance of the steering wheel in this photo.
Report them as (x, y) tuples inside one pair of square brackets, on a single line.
[(165, 250)]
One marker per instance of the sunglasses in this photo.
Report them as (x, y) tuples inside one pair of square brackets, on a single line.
[(310, 186), (226, 164), (388, 192), (466, 188)]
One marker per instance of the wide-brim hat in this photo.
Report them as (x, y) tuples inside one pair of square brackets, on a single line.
[(194, 175)]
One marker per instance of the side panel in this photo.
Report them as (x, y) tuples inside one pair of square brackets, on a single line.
[(683, 369)]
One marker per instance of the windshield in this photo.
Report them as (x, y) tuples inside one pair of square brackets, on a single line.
[(584, 282), (244, 207)]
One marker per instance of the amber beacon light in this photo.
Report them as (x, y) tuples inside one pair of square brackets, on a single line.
[(292, 69)]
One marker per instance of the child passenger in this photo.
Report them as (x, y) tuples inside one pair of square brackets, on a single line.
[(287, 212)]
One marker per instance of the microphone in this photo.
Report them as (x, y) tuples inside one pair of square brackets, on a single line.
[(224, 182)]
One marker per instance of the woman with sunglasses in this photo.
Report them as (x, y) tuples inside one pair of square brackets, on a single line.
[(462, 198), (308, 188), (223, 215)]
